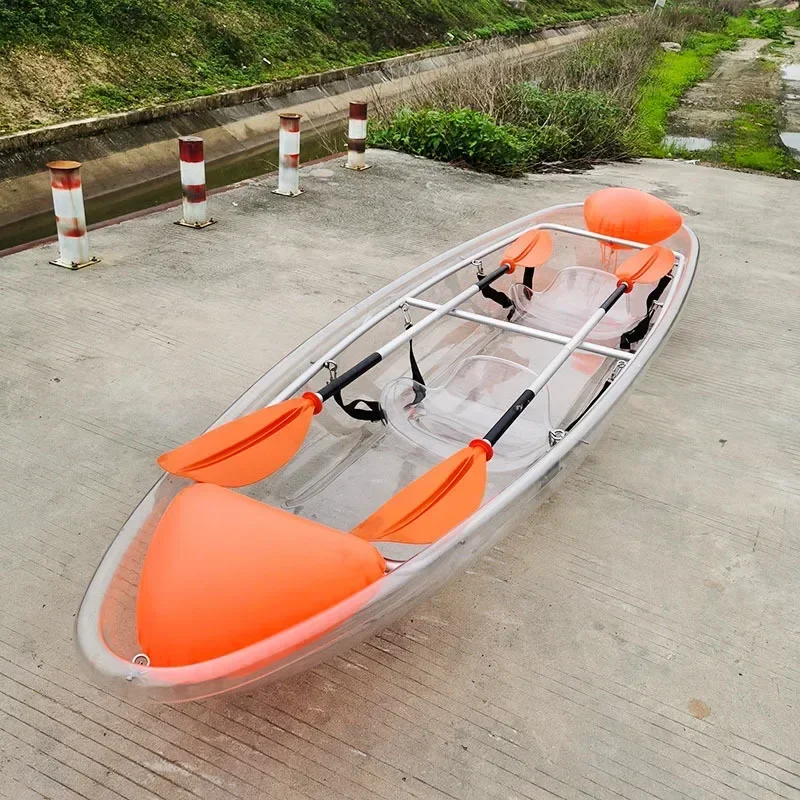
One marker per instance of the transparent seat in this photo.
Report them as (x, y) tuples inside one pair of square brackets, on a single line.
[(469, 400), (573, 295)]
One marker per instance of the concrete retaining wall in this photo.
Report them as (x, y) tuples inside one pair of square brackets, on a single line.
[(120, 151)]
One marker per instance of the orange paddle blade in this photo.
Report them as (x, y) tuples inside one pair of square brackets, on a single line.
[(646, 266), (531, 249), (245, 450), (433, 504)]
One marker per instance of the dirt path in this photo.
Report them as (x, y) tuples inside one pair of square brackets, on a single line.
[(740, 77), (747, 113)]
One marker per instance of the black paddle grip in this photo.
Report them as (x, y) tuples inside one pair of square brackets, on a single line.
[(348, 376), (491, 277), (506, 421), (614, 296)]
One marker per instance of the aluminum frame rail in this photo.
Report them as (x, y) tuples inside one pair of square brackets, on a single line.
[(375, 319)]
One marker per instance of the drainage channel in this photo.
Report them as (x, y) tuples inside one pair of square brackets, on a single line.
[(219, 173)]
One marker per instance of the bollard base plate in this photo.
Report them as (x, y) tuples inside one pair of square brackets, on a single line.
[(357, 169), (288, 194), (197, 225), (73, 265)]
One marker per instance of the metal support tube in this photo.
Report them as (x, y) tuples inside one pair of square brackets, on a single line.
[(379, 316), (566, 351), (552, 226), (523, 401), (680, 260), (533, 333), (442, 311)]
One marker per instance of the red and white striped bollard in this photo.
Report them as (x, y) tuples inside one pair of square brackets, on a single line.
[(193, 183), (289, 156), (73, 241), (357, 136)]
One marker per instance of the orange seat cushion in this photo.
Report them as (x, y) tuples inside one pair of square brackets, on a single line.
[(224, 571)]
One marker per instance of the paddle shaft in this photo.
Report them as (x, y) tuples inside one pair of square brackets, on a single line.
[(355, 372), (524, 400)]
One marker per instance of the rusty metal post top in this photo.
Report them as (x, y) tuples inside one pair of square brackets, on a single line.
[(190, 138), (289, 115), (63, 165)]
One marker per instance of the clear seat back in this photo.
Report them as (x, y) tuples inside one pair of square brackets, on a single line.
[(574, 294), (465, 404)]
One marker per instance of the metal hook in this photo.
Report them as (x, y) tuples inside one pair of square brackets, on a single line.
[(618, 367), (332, 368), (406, 315), (478, 264)]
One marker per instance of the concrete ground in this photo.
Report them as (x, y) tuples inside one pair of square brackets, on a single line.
[(637, 638)]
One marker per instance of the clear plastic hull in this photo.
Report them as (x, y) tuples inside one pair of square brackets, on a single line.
[(346, 469)]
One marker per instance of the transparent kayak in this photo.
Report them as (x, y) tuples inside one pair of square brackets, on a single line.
[(475, 361)]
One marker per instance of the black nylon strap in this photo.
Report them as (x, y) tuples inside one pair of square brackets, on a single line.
[(638, 332), (527, 277), (490, 293), (416, 375), (372, 411), (501, 298)]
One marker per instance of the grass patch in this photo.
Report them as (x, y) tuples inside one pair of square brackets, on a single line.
[(752, 141), (119, 54), (760, 23), (674, 73), (669, 78)]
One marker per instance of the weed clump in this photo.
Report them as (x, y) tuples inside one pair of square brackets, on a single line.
[(540, 127), (608, 98), (467, 137)]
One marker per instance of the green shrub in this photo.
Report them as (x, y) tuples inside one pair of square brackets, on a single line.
[(540, 126), (571, 124), (763, 23), (464, 137)]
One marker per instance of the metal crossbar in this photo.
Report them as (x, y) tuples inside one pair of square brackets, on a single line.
[(533, 333)]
